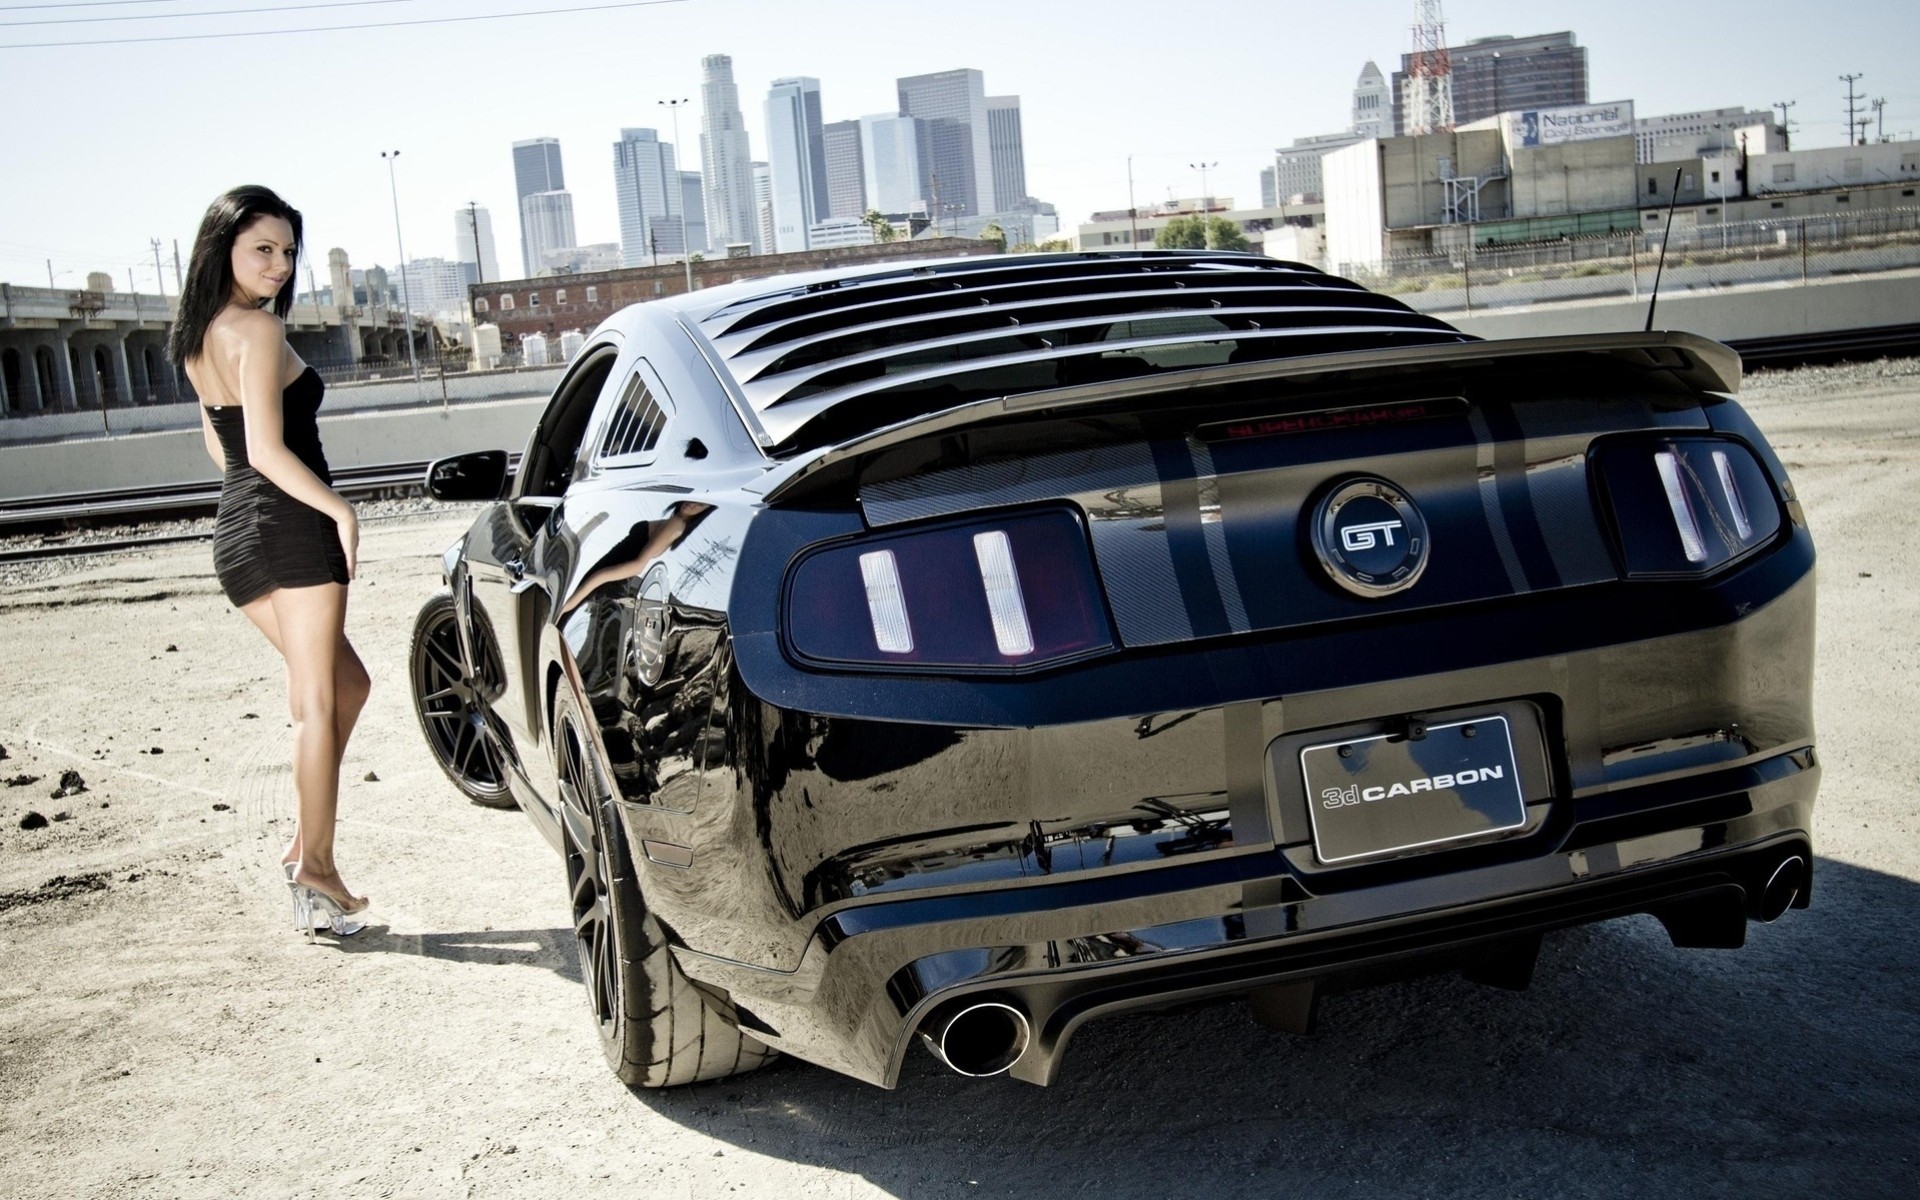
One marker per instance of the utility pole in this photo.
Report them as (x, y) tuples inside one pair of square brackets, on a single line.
[(179, 286), (49, 274), (1206, 203), (473, 222), (1852, 104), (158, 278), (406, 300), (1880, 119), (672, 189), (1786, 125), (1133, 214)]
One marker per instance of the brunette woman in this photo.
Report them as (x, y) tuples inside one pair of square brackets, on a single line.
[(285, 543)]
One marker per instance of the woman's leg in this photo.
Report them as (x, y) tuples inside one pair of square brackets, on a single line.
[(351, 686), (311, 623)]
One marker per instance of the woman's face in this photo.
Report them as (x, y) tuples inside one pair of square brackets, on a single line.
[(263, 257)]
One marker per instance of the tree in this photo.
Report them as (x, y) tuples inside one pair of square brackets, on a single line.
[(1190, 233), (883, 230), (991, 232), (1056, 246)]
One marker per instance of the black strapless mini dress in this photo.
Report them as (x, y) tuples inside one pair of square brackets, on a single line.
[(264, 539)]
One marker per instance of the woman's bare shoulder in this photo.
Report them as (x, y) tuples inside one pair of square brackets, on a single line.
[(236, 329)]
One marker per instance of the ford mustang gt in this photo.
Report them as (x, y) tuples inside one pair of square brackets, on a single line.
[(960, 651)]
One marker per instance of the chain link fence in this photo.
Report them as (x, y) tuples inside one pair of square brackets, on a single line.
[(1698, 258)]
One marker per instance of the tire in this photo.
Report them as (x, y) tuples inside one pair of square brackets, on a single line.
[(450, 693), (657, 1029)]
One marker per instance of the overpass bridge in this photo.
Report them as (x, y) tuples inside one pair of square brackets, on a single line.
[(64, 351)]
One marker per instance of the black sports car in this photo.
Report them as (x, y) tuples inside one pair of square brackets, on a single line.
[(972, 648)]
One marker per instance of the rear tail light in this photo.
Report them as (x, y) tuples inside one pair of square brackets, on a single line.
[(1687, 506), (1004, 595)]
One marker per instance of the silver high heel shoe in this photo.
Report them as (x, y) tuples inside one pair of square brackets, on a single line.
[(321, 911), (303, 917)]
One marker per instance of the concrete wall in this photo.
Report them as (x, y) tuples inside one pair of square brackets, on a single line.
[(180, 456), (1729, 315)]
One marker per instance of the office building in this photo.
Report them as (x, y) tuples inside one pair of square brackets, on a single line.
[(960, 166), (762, 204), (693, 204), (725, 160), (646, 185), (536, 170), (1506, 74), (438, 286), (1008, 152), (796, 160), (1707, 133), (473, 240), (1372, 103), (892, 151), (546, 223), (846, 173)]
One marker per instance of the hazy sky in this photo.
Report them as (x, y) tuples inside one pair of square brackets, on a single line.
[(103, 147)]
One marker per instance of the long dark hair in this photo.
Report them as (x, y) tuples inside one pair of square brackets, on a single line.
[(209, 285)]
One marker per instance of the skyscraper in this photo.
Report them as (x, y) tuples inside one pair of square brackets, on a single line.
[(954, 105), (726, 164), (892, 149), (1506, 74), (796, 156), (846, 176), (693, 202), (1372, 109), (1009, 154), (646, 185), (762, 204), (536, 169), (473, 240), (547, 218)]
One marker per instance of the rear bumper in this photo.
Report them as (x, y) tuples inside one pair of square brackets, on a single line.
[(1067, 952)]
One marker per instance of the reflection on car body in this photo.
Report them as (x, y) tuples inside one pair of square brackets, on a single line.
[(967, 650)]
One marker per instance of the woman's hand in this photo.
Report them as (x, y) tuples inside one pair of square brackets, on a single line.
[(348, 525)]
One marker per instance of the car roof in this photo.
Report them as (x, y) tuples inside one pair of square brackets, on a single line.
[(937, 332)]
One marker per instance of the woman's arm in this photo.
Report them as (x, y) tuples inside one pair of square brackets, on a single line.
[(213, 442)]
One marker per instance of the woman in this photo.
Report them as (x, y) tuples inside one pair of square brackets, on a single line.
[(285, 544)]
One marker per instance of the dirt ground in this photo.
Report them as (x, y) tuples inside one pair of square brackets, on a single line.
[(163, 1032)]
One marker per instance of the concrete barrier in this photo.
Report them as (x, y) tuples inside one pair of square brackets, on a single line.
[(180, 455), (1728, 314)]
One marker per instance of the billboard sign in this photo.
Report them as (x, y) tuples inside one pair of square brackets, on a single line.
[(1572, 123)]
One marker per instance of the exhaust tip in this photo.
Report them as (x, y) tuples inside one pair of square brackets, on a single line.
[(1782, 888), (981, 1039)]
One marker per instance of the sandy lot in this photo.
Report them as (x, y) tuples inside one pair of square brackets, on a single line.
[(163, 1032)]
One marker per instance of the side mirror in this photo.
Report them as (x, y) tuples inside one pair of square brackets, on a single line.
[(478, 476)]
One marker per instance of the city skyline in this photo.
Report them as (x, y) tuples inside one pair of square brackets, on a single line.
[(1117, 95)]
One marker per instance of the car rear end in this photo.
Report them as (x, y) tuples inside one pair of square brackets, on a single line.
[(1256, 677)]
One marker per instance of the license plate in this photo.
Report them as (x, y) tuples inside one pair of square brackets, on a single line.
[(1386, 794)]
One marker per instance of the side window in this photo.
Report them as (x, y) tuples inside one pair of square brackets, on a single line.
[(480, 305), (632, 429), (593, 294), (559, 295), (506, 301), (533, 301), (551, 455)]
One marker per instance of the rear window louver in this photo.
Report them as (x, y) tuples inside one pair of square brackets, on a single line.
[(970, 329), (635, 425)]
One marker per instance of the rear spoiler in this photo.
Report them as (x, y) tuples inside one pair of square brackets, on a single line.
[(1702, 363)]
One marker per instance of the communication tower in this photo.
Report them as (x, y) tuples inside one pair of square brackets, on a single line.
[(1429, 99)]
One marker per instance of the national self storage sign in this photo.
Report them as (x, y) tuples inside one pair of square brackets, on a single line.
[(1573, 123)]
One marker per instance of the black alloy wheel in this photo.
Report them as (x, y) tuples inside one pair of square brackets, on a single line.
[(450, 684), (656, 1028)]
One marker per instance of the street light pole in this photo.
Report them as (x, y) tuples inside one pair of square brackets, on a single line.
[(686, 251), (1206, 203), (406, 299)]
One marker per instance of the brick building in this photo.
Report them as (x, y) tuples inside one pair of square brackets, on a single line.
[(553, 304)]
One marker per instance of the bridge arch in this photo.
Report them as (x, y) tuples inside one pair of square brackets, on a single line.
[(10, 376)]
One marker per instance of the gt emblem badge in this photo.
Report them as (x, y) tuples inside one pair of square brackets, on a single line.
[(1370, 538)]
